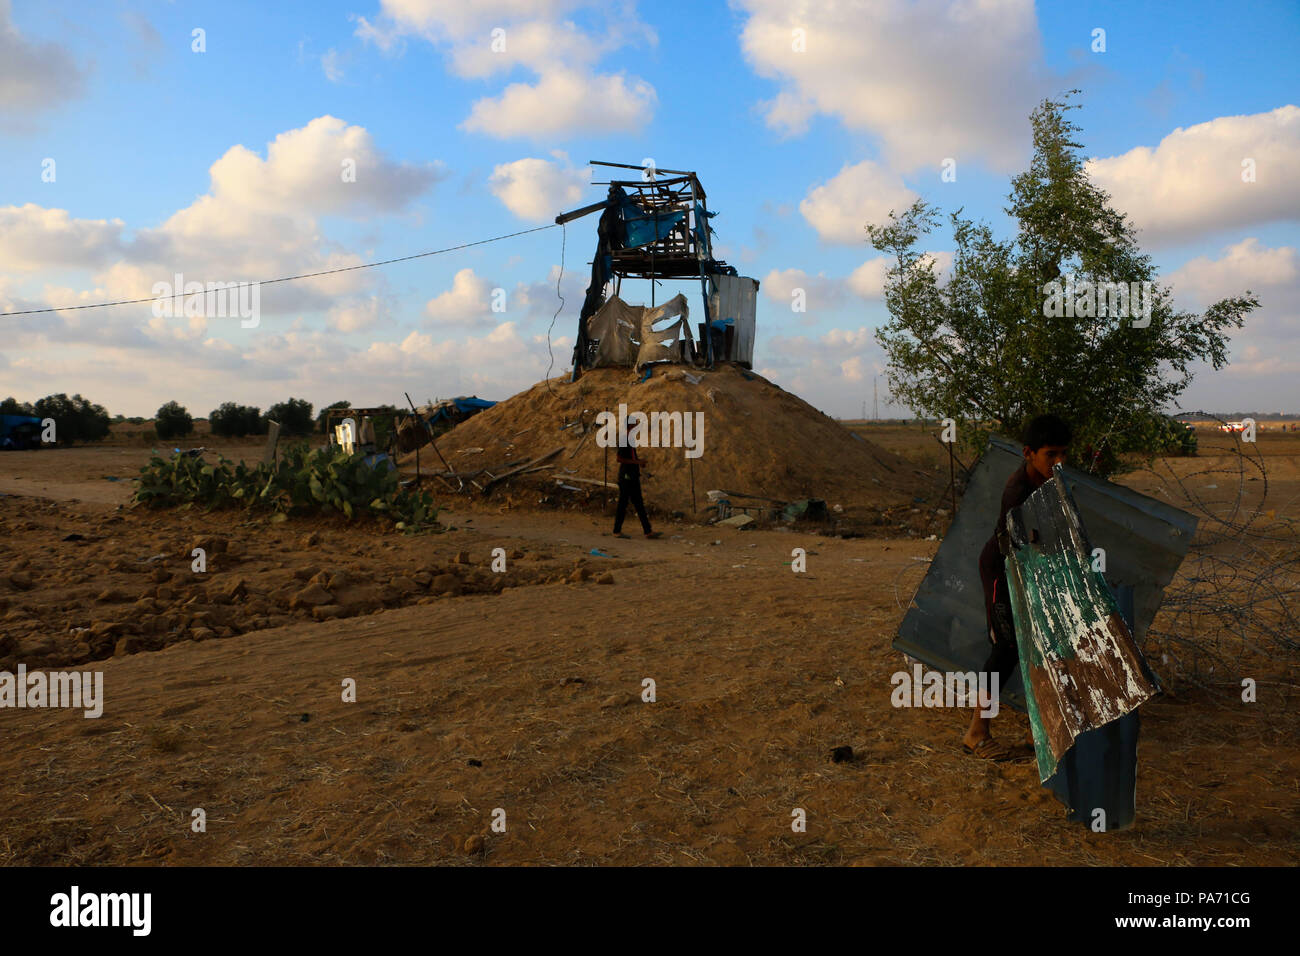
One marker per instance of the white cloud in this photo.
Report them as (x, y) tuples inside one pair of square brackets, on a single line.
[(356, 315), (859, 194), (1191, 183), (932, 78), (259, 220), (565, 102), (1245, 265), (539, 189), (467, 302), (330, 65), (569, 95), (33, 76), (308, 171), (819, 292), (1264, 360), (34, 237)]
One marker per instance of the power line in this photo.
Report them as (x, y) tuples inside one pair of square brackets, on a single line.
[(308, 275)]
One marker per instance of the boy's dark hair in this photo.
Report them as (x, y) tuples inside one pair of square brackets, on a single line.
[(1047, 430)]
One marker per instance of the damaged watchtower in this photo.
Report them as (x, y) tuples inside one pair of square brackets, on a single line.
[(658, 228)]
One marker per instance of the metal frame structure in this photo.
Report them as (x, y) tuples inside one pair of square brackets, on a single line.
[(677, 207)]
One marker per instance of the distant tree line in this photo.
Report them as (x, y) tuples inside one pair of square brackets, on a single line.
[(75, 419)]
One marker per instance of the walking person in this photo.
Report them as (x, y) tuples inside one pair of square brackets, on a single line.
[(629, 489)]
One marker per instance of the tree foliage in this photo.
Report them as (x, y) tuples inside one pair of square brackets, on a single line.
[(173, 421), (979, 349), (294, 416), (235, 421), (75, 419)]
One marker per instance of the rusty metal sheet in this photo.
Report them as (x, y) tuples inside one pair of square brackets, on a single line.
[(1079, 662), (1144, 540)]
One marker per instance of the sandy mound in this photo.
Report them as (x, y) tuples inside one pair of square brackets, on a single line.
[(758, 439)]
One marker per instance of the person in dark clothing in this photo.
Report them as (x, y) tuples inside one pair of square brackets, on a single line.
[(1046, 440), (629, 489)]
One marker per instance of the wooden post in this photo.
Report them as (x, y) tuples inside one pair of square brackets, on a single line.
[(693, 509), (952, 482)]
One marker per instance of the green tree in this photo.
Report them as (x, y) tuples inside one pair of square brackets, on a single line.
[(983, 350), (75, 419), (173, 421), (11, 406), (294, 416), (233, 420)]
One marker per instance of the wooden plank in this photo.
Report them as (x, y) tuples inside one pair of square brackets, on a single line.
[(527, 466)]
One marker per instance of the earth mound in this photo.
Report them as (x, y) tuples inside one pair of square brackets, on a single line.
[(757, 440)]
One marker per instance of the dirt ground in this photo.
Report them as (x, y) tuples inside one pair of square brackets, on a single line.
[(522, 691)]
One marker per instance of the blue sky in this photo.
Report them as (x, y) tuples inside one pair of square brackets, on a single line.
[(164, 161)]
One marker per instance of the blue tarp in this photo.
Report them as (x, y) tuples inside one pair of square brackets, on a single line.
[(643, 228), (463, 405)]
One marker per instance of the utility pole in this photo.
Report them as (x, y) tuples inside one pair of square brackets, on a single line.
[(875, 399)]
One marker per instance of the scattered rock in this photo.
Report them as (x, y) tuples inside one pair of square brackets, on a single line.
[(21, 580), (616, 700), (235, 590), (325, 612), (841, 754), (202, 634), (606, 578), (404, 585), (112, 596), (462, 557), (579, 575), (474, 844), (211, 544), (309, 540), (313, 595), (445, 584), (307, 573), (35, 645), (160, 575), (127, 645)]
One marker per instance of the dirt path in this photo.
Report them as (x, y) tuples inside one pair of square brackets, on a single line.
[(529, 699)]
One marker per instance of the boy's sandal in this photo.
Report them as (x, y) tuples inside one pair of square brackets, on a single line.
[(620, 534), (654, 534), (990, 749)]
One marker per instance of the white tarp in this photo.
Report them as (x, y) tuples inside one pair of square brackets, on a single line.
[(627, 335)]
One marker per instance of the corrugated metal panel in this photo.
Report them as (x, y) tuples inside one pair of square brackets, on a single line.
[(736, 298), (1081, 665), (1144, 541)]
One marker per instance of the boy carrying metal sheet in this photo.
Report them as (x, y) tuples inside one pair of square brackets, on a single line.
[(1046, 440)]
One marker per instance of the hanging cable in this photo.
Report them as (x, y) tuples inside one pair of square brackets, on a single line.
[(308, 275)]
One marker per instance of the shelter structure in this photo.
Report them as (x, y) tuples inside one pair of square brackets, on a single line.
[(657, 228)]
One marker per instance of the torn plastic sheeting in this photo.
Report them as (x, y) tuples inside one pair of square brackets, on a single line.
[(1079, 663)]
